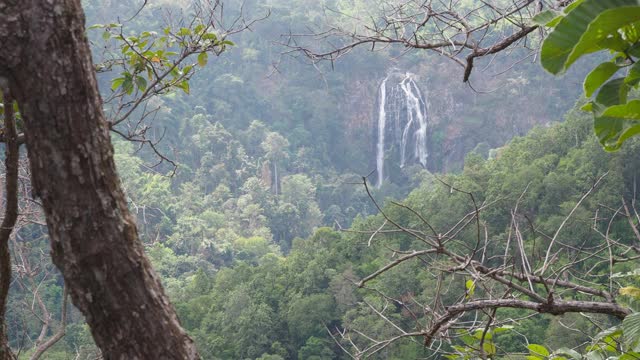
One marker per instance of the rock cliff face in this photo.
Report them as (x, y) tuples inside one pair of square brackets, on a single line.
[(422, 115)]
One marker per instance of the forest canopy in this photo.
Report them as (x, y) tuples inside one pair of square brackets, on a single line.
[(496, 228)]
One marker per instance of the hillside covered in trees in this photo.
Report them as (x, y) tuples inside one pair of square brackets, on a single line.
[(290, 216)]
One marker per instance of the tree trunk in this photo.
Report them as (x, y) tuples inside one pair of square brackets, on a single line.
[(94, 240), (12, 156)]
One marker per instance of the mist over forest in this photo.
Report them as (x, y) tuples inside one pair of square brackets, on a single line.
[(347, 208)]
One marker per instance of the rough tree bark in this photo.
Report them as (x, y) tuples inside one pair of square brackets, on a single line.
[(47, 62), (12, 156)]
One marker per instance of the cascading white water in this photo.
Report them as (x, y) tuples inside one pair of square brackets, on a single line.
[(406, 104), (382, 121), (416, 112)]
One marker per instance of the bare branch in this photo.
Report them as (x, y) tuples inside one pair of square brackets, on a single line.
[(460, 32)]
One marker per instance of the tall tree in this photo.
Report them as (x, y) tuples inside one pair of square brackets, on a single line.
[(46, 63), (10, 215)]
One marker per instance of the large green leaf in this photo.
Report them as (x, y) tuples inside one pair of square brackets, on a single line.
[(614, 92), (536, 349), (629, 111), (634, 74), (571, 6), (612, 132), (544, 18), (603, 26), (631, 329), (580, 30), (614, 42), (608, 130), (598, 76), (617, 123), (629, 131)]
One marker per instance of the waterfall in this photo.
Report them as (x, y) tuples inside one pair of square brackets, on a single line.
[(382, 121), (401, 100)]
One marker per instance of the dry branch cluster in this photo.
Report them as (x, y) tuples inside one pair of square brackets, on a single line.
[(131, 111), (460, 30), (499, 273)]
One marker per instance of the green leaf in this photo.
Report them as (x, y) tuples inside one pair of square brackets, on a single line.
[(613, 131), (631, 32), (568, 352), (629, 132), (598, 76), (209, 36), (629, 111), (203, 58), (634, 74), (478, 334), (614, 42), (503, 328), (533, 357), (571, 6), (458, 348), (608, 130), (184, 85), (631, 329), (106, 35), (470, 285), (580, 30), (489, 348), (141, 83), (630, 291), (116, 83), (545, 17), (536, 349), (468, 339), (629, 355), (614, 92), (184, 32), (127, 85), (634, 50), (594, 355), (554, 22), (610, 344), (606, 25)]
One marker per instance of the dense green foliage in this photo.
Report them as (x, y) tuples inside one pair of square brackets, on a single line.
[(245, 234), (243, 299), (590, 26), (265, 303)]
